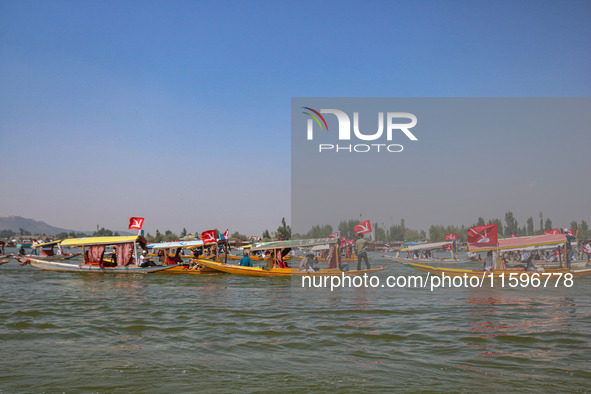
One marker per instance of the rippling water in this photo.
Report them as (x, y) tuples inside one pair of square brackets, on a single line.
[(187, 333)]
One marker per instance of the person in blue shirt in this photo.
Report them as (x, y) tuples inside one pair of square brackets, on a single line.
[(245, 261)]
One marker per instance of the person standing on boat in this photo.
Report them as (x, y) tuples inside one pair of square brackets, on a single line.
[(361, 251), (569, 247), (245, 261), (587, 250), (488, 263)]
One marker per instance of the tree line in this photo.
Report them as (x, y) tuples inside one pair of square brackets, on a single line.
[(437, 233)]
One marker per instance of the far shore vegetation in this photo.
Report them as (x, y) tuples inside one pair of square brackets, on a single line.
[(381, 233)]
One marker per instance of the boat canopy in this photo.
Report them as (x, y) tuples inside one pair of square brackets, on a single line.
[(176, 244), (295, 243), (103, 240), (429, 246), (46, 244), (534, 242)]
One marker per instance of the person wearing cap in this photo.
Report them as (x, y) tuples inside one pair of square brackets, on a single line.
[(145, 260)]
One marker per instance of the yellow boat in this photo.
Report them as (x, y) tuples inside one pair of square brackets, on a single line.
[(277, 271), (276, 265), (190, 265)]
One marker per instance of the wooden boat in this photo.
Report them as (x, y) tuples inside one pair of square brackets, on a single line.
[(190, 264), (530, 243), (276, 266), (47, 252), (93, 249), (4, 261)]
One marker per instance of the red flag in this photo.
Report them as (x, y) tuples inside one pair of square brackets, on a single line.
[(136, 223), (569, 231), (486, 234), (513, 236), (553, 231), (351, 242), (451, 237), (333, 235), (208, 237), (363, 228), (343, 242), (226, 234), (446, 247)]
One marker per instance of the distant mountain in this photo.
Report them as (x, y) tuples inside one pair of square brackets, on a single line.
[(15, 223)]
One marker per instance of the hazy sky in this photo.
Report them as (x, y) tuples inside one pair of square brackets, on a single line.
[(180, 111), (472, 157)]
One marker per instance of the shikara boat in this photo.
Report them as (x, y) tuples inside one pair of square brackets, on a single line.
[(500, 270), (276, 266), (93, 251), (47, 252), (170, 253)]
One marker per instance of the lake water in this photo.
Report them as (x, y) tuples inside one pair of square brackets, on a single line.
[(188, 333)]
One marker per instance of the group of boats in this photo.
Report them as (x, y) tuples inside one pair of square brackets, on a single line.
[(500, 253), (127, 254)]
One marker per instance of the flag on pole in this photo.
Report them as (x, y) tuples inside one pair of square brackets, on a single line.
[(446, 247), (208, 237), (553, 231), (136, 223), (451, 237), (226, 234), (333, 235), (486, 234), (363, 227)]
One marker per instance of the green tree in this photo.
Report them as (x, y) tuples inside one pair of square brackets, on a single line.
[(499, 225), (480, 221), (284, 231), (158, 237), (266, 235), (183, 233), (548, 224), (530, 226), (541, 223), (237, 235), (347, 228), (584, 231), (511, 225), (169, 236), (319, 231)]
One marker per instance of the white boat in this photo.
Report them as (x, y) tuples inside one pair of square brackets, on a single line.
[(93, 256)]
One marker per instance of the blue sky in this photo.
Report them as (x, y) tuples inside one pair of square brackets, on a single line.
[(180, 111)]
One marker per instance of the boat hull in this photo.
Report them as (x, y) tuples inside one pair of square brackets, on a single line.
[(258, 271), (184, 269), (68, 267)]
